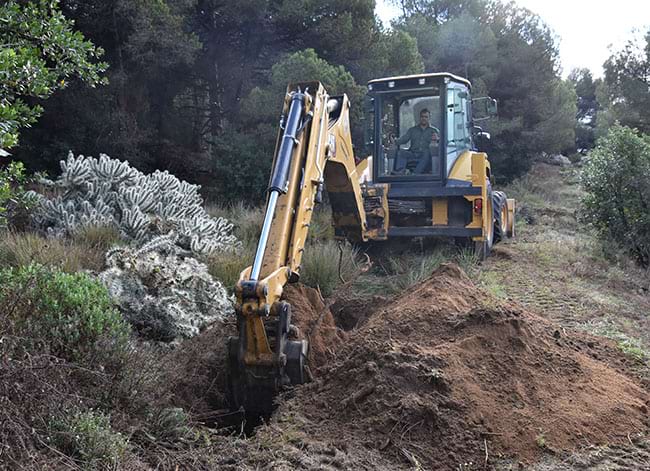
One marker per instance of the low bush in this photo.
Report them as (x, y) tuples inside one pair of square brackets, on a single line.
[(89, 438), (15, 203), (616, 180), (66, 315)]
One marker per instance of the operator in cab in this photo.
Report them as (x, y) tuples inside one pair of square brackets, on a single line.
[(424, 143)]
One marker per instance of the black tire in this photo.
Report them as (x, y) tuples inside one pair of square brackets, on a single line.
[(499, 203)]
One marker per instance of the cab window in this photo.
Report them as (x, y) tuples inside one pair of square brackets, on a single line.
[(458, 132), (410, 135)]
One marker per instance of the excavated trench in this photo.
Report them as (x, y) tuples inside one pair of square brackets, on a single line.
[(441, 374)]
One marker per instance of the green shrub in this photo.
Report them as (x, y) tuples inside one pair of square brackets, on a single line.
[(15, 202), (69, 315), (89, 438), (617, 184)]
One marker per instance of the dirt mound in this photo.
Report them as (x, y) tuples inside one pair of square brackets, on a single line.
[(445, 370), (315, 322)]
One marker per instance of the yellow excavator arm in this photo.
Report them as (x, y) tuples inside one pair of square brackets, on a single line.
[(314, 144)]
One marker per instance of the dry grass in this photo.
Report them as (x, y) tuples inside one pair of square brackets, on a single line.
[(320, 263), (84, 252), (227, 266), (327, 264)]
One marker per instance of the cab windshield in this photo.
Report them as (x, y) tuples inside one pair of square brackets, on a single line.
[(411, 135)]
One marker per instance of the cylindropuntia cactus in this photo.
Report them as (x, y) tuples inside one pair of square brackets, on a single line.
[(108, 192)]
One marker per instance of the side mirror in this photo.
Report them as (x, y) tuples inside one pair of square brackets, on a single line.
[(484, 108), (492, 107), (482, 139)]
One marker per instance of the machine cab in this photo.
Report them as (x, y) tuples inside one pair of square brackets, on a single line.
[(417, 126)]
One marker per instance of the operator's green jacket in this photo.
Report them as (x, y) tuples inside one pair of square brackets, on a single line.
[(420, 138)]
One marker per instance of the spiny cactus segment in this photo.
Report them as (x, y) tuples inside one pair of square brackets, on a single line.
[(164, 295), (108, 192)]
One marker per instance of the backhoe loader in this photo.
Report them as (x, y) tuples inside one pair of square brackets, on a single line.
[(424, 177)]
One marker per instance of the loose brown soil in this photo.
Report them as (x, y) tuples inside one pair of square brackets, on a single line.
[(445, 371), (315, 323)]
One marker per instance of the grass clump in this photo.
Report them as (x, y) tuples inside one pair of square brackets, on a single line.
[(316, 271), (89, 439), (227, 266), (410, 270), (247, 221), (490, 282), (320, 265), (85, 250), (631, 347), (70, 315), (467, 259), (99, 238)]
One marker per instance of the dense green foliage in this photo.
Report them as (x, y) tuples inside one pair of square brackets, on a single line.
[(66, 315), (617, 185), (588, 107), (622, 95), (627, 79), (196, 86), (40, 52), (508, 53)]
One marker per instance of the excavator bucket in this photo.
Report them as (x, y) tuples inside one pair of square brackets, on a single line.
[(253, 387)]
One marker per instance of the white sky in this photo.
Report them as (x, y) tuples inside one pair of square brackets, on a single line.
[(586, 28)]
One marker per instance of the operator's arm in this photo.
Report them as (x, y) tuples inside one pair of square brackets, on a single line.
[(404, 139)]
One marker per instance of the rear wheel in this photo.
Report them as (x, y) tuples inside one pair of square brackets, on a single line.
[(500, 211)]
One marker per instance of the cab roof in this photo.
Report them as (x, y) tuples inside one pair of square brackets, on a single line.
[(428, 78)]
